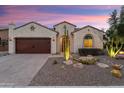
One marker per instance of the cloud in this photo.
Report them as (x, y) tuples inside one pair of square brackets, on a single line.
[(98, 7), (24, 14)]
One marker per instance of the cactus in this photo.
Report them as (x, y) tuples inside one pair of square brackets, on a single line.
[(66, 45)]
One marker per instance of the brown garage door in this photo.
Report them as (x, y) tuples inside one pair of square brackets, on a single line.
[(33, 45)]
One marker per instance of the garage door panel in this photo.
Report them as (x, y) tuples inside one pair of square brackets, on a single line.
[(33, 45)]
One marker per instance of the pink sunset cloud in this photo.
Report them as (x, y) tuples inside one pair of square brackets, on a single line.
[(52, 18), (24, 14)]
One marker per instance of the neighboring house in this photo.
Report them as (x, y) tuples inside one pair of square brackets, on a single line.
[(36, 38), (3, 39)]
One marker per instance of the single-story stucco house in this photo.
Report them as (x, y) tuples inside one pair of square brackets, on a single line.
[(36, 38)]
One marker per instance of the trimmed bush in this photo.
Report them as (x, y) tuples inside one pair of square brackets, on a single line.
[(86, 60), (90, 51)]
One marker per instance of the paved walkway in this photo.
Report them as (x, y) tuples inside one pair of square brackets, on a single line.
[(19, 69)]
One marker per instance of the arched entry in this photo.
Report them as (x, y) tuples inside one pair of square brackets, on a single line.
[(88, 41)]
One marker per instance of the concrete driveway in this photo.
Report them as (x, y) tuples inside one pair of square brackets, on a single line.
[(19, 69)]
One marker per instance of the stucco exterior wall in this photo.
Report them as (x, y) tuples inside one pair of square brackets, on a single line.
[(60, 28), (79, 37), (26, 31)]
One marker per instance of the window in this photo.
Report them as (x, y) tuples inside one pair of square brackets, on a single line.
[(88, 41), (3, 42)]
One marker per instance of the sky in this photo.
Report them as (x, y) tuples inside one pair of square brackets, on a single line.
[(49, 15)]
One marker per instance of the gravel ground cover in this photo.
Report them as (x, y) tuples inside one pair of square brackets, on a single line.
[(66, 75)]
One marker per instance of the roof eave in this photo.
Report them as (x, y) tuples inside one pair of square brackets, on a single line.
[(64, 22), (85, 27), (37, 24)]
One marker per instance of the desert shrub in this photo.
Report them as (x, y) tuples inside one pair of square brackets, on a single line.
[(87, 60), (55, 62)]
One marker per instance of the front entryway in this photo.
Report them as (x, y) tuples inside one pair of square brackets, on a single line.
[(33, 45)]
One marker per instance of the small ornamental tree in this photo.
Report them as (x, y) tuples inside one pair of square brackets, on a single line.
[(66, 45)]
